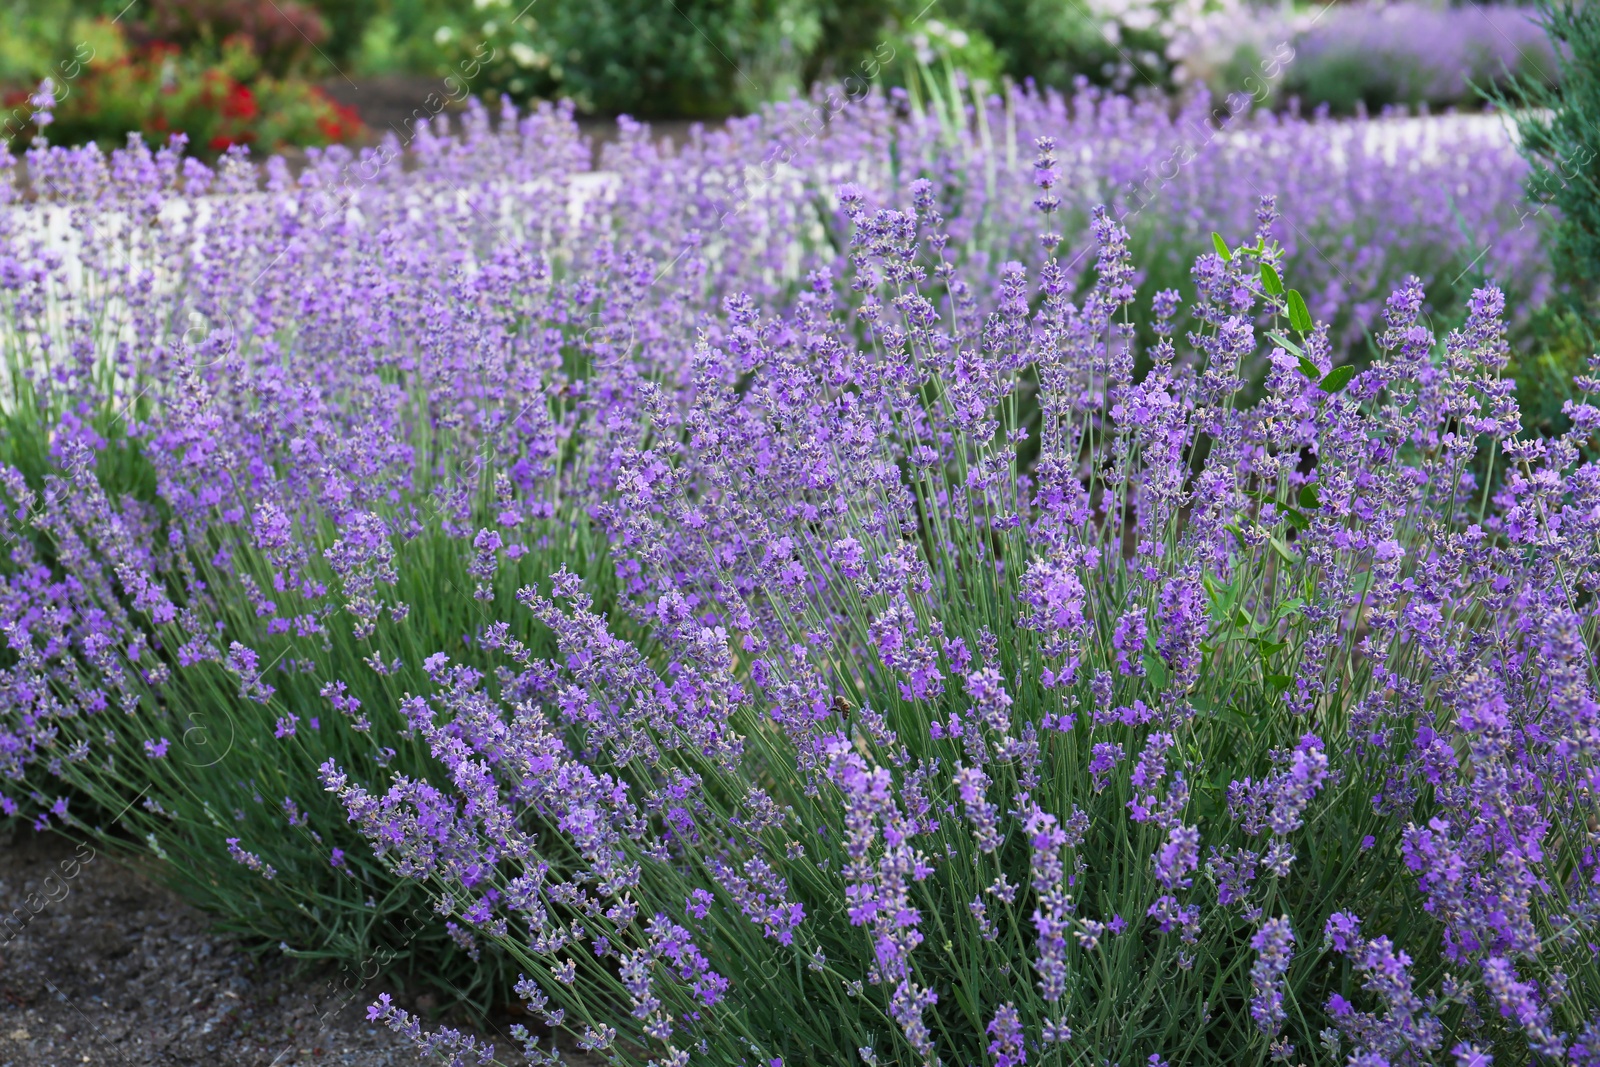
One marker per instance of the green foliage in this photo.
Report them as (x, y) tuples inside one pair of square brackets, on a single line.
[(41, 34), (692, 59), (1559, 132), (1561, 343), (347, 21), (707, 59), (1054, 42), (1349, 80), (852, 31), (926, 55)]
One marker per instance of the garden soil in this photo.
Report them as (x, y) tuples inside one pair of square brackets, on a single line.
[(115, 970)]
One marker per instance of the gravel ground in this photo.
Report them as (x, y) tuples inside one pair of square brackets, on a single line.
[(113, 969)]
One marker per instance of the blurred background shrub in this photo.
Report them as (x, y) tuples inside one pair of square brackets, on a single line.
[(219, 72), (159, 90), (1558, 126), (1109, 42), (703, 60), (1363, 56), (280, 35)]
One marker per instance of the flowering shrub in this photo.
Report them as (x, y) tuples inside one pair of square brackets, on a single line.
[(156, 91), (1123, 44), (998, 699), (1373, 203), (814, 652), (283, 34), (222, 736)]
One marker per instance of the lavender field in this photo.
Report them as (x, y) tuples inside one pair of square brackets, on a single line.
[(975, 578)]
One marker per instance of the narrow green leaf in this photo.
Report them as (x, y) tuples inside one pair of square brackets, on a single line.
[(1221, 246), (965, 1002), (1279, 682), (1299, 314), (1309, 369), (1283, 550), (1295, 518), (1308, 498), (1337, 379), (1270, 282)]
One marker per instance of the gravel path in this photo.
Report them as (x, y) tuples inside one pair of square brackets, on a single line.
[(112, 969)]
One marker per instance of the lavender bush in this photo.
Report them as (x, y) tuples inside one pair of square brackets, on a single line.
[(780, 651), (998, 704)]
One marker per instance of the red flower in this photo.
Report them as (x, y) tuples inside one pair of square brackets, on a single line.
[(338, 122), (241, 103)]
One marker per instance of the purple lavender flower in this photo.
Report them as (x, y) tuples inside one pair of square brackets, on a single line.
[(1006, 1029), (1104, 758), (970, 784), (1274, 946), (250, 860), (1177, 857)]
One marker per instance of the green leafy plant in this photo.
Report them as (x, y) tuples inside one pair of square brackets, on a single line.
[(1054, 43), (1559, 132), (693, 59)]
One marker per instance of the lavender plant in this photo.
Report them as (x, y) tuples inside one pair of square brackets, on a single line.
[(1373, 203), (211, 504), (1210, 733), (617, 547)]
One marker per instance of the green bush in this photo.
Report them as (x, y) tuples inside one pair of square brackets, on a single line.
[(1559, 132), (1350, 81), (1561, 344), (692, 59), (1054, 42), (42, 35), (347, 24)]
